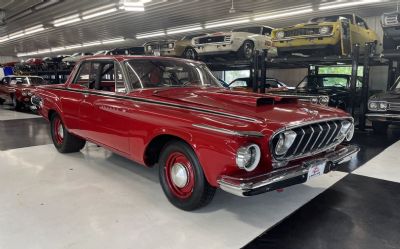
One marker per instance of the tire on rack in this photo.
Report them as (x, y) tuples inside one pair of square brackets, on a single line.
[(190, 53), (182, 178), (246, 51), (64, 141), (380, 127)]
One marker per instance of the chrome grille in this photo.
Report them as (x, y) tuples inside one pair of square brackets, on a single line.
[(311, 139), (302, 31), (394, 106), (391, 19), (210, 39)]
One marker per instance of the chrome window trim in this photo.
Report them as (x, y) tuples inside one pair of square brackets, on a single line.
[(230, 132)]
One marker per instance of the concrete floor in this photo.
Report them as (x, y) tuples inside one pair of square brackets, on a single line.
[(96, 199)]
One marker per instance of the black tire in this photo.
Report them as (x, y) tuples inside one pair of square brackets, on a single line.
[(16, 104), (282, 54), (246, 51), (200, 194), (380, 127), (190, 53), (69, 142)]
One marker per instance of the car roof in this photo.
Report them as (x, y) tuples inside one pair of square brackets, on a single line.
[(134, 57)]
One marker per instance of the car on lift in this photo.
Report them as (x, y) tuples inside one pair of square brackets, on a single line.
[(327, 89), (174, 113), (384, 109), (176, 48), (329, 35), (18, 90), (240, 41), (53, 63), (391, 31), (246, 84), (70, 61)]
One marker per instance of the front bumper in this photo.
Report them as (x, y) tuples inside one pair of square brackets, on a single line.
[(384, 117), (286, 177), (306, 43), (216, 48)]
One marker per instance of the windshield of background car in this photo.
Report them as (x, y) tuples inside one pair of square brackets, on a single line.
[(396, 86), (254, 30), (154, 73), (324, 82), (37, 81), (329, 19)]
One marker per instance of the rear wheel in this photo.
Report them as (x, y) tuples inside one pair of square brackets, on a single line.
[(182, 178), (64, 141), (247, 50), (380, 127), (190, 53), (16, 104)]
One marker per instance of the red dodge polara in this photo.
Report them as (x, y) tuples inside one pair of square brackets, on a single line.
[(174, 113)]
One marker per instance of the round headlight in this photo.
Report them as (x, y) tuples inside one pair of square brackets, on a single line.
[(372, 106), (324, 100), (345, 126), (149, 47), (248, 157), (280, 34), (324, 30), (286, 139), (171, 45), (29, 94), (314, 100), (350, 133), (383, 105), (24, 94)]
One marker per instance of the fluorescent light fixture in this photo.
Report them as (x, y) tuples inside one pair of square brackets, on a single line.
[(340, 4), (66, 20), (4, 38), (43, 51), (282, 14), (34, 29), (148, 35), (22, 54), (99, 12), (73, 46), (113, 40), (184, 29), (16, 35), (226, 23), (132, 5), (88, 44), (57, 49), (128, 8)]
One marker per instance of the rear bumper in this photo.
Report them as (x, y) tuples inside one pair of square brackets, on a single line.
[(384, 117), (286, 177)]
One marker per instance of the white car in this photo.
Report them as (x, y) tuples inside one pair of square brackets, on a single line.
[(241, 41), (75, 57)]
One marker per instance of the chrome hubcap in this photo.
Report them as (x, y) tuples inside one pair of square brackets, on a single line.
[(179, 175), (60, 131)]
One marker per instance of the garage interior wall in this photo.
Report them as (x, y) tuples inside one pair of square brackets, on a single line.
[(6, 59)]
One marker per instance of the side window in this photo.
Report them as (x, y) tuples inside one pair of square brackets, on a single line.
[(104, 76), (272, 83), (361, 23), (119, 80), (266, 31), (82, 78)]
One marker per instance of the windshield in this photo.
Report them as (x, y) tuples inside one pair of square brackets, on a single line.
[(254, 30), (154, 73), (396, 86), (324, 82), (330, 18)]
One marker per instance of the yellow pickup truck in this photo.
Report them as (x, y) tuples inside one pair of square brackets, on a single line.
[(324, 36)]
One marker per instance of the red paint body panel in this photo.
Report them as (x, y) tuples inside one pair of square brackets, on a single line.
[(127, 126)]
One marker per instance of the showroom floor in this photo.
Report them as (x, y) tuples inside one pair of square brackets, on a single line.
[(96, 199)]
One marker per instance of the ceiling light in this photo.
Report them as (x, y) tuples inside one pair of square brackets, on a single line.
[(34, 29), (67, 20), (88, 44), (132, 8), (113, 40), (282, 14), (340, 4), (99, 11), (147, 35), (183, 29), (73, 46), (57, 49), (16, 35), (4, 38), (226, 23), (132, 5), (43, 51)]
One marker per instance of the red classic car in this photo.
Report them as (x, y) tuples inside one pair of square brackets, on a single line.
[(174, 113), (19, 90)]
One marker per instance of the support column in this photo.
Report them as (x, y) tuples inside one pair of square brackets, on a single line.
[(369, 52), (263, 67), (255, 67), (353, 83)]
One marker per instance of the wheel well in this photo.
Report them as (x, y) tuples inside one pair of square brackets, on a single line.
[(51, 114), (153, 150)]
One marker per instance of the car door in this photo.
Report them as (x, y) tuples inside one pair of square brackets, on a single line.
[(103, 109)]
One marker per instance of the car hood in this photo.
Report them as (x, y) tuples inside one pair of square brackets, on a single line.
[(308, 24), (391, 96), (243, 107)]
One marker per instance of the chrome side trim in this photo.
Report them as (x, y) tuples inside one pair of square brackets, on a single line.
[(230, 132)]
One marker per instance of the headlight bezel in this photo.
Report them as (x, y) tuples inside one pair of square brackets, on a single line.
[(325, 30), (280, 34), (285, 142), (323, 100), (378, 106), (248, 164)]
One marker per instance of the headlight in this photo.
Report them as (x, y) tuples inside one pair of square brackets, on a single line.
[(286, 139), (171, 45), (350, 133), (314, 100), (29, 94), (149, 48), (377, 106), (383, 106), (324, 100), (280, 34), (373, 106), (347, 130), (324, 30), (248, 157), (24, 94)]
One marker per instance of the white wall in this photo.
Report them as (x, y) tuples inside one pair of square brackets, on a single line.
[(5, 59)]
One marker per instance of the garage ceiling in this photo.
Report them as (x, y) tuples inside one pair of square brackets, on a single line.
[(158, 15)]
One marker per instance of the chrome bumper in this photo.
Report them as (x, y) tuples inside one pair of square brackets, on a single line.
[(285, 177), (382, 116)]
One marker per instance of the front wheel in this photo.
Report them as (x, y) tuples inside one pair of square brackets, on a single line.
[(182, 178), (64, 141), (190, 53), (247, 50), (16, 104)]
